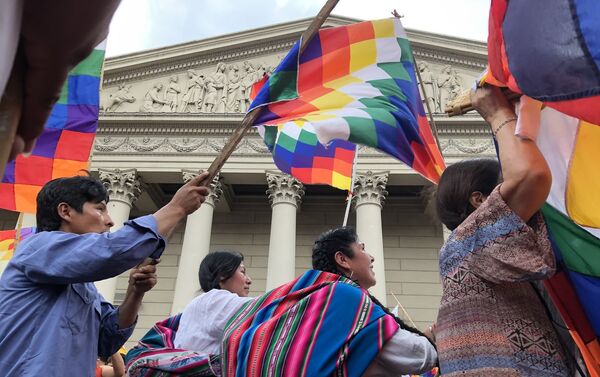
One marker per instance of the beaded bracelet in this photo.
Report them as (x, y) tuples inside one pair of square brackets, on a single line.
[(494, 133)]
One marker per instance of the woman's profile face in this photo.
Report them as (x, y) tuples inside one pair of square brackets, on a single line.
[(239, 283), (361, 266)]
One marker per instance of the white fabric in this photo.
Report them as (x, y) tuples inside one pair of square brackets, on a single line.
[(404, 353), (203, 320), (11, 12), (528, 121)]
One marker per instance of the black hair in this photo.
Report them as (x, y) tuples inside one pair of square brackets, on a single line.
[(457, 184), (218, 266), (75, 191), (323, 259)]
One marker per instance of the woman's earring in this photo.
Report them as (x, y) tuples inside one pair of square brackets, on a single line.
[(351, 274)]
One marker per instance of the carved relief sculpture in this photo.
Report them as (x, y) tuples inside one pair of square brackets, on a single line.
[(211, 95), (171, 95), (227, 90), (220, 84), (193, 97), (117, 98), (152, 102), (249, 79), (234, 89), (431, 87), (449, 84)]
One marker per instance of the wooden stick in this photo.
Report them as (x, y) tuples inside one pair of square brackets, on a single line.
[(403, 310), (251, 116), (462, 104), (10, 112), (431, 121), (18, 230), (351, 191), (429, 112)]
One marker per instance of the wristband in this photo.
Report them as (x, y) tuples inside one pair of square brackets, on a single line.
[(494, 133)]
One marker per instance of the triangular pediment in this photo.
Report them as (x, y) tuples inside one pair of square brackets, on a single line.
[(213, 76)]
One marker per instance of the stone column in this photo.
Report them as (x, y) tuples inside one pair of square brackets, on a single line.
[(369, 195), (285, 194), (123, 188), (196, 244)]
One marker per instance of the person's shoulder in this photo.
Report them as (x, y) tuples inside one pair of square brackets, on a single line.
[(39, 240)]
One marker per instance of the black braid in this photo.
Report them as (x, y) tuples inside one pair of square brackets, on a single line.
[(323, 259)]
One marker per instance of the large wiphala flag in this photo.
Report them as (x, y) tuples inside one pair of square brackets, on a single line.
[(352, 85)]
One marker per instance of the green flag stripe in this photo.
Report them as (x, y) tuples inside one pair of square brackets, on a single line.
[(270, 136), (579, 248), (308, 138), (362, 131), (407, 54), (282, 85), (91, 66), (287, 142)]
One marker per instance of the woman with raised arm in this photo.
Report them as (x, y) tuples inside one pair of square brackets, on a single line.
[(491, 321)]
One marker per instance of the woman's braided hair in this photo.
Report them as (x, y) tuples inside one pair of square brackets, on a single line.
[(323, 259)]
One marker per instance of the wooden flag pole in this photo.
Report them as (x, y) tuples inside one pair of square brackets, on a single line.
[(418, 73), (351, 191), (18, 230), (462, 103), (431, 121), (403, 310), (252, 115)]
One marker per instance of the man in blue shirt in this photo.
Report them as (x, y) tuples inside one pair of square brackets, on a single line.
[(53, 321)]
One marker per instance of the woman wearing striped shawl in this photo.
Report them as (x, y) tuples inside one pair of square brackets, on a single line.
[(323, 323)]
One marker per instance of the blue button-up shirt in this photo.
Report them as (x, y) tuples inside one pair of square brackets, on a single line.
[(53, 321)]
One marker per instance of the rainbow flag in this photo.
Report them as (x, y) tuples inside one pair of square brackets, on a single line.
[(352, 85), (558, 63), (64, 147), (560, 38), (570, 147), (7, 243)]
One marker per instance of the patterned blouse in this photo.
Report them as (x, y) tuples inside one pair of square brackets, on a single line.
[(491, 321)]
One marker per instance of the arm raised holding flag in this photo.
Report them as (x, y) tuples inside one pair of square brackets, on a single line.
[(47, 293)]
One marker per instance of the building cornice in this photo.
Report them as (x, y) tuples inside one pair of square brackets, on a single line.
[(272, 39)]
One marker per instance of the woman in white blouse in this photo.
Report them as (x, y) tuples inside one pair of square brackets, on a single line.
[(225, 283)]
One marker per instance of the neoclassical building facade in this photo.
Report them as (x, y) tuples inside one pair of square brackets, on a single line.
[(166, 113)]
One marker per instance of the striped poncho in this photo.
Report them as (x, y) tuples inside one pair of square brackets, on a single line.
[(155, 355), (320, 324)]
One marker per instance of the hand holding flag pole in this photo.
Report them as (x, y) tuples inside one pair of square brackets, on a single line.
[(462, 103), (252, 115)]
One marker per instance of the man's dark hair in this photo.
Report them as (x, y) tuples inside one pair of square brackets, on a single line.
[(457, 184), (218, 266), (323, 259), (75, 191)]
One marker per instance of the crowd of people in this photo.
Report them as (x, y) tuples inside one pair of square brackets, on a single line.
[(492, 320)]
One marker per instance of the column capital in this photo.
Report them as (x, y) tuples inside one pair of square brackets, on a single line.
[(369, 188), (215, 187), (284, 188), (122, 184)]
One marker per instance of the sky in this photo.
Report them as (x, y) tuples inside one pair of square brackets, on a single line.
[(146, 24)]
